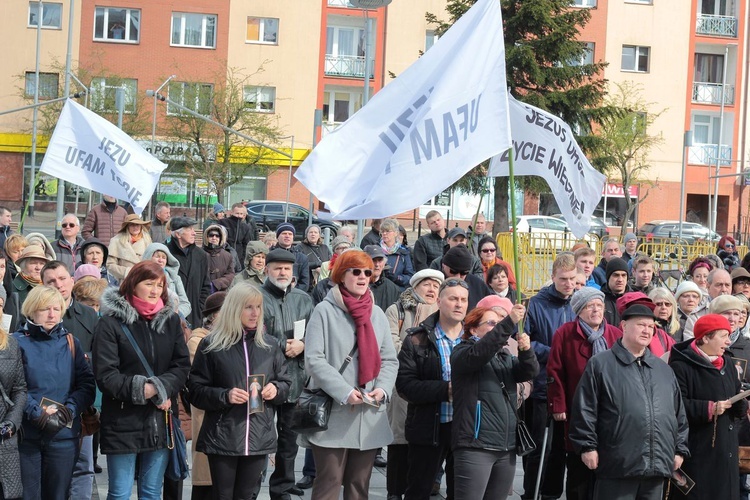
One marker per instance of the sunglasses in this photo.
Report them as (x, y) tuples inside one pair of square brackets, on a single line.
[(214, 235), (728, 245), (488, 250), (449, 283), (460, 273), (67, 225), (490, 322), (662, 304), (357, 272)]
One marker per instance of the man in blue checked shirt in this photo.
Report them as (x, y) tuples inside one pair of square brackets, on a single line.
[(424, 381)]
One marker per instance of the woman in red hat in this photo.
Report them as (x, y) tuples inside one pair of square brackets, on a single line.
[(708, 378)]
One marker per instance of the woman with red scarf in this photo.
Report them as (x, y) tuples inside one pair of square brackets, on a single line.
[(358, 425), (135, 405), (708, 378)]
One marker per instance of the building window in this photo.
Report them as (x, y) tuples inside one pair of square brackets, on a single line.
[(104, 92), (429, 40), (263, 30), (49, 85), (635, 58), (194, 96), (587, 57), (642, 2), (118, 25), (51, 15), (584, 3), (261, 99), (194, 30)]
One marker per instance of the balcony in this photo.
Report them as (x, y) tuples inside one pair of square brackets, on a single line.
[(712, 25), (710, 93), (705, 154), (341, 3), (347, 66)]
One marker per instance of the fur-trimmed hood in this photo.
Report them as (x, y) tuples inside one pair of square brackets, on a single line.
[(115, 305), (410, 299), (222, 232)]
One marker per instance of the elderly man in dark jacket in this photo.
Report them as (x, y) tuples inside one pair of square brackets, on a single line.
[(286, 311), (628, 420), (240, 230), (193, 265), (67, 247), (285, 233)]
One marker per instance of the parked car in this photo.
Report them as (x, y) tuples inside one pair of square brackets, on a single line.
[(611, 219), (547, 232), (268, 214), (597, 227), (691, 232)]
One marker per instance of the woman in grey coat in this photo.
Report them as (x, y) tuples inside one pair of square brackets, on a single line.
[(12, 403), (160, 254), (358, 425)]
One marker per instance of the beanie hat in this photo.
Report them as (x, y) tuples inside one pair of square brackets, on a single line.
[(496, 301), (629, 236), (687, 286), (632, 298), (285, 226), (724, 303), (340, 240), (616, 264), (583, 296), (218, 207), (459, 258), (710, 323), (87, 270), (426, 274)]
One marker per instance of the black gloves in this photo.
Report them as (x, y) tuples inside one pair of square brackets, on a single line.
[(52, 424)]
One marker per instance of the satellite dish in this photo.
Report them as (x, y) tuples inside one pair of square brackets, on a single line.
[(370, 4)]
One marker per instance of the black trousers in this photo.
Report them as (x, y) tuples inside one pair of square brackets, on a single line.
[(282, 478), (424, 461), (579, 484), (235, 478), (396, 471), (638, 488), (554, 460)]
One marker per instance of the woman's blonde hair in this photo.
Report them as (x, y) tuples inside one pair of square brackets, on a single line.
[(42, 297), (659, 293), (15, 243), (88, 291), (389, 225), (227, 327)]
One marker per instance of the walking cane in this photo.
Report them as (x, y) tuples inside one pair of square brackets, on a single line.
[(544, 447)]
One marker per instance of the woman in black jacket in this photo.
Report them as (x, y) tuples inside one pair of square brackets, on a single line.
[(238, 375), (135, 406), (484, 379)]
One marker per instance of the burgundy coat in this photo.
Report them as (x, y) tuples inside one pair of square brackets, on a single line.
[(568, 356)]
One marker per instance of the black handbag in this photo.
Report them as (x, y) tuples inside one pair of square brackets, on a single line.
[(310, 413), (177, 466), (524, 442)]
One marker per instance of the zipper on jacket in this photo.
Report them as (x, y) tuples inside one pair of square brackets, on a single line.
[(478, 417), (650, 408), (247, 376)]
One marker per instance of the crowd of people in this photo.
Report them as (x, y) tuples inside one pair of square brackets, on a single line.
[(608, 384)]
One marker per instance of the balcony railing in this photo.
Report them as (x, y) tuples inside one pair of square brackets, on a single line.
[(705, 154), (712, 25), (710, 93), (340, 3), (351, 66)]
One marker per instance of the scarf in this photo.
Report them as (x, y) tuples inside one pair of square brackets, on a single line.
[(138, 237), (390, 250), (31, 281), (146, 309), (716, 361), (369, 353), (734, 336), (595, 337)]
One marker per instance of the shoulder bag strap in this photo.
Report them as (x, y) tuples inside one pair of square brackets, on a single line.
[(343, 365), (510, 401), (138, 351)]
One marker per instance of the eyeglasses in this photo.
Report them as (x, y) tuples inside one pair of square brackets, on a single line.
[(663, 304), (449, 283), (742, 282), (357, 272), (594, 306), (460, 273), (728, 245), (488, 250), (490, 322), (66, 225)]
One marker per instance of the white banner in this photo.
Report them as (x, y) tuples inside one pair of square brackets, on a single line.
[(544, 145), (445, 114), (87, 150)]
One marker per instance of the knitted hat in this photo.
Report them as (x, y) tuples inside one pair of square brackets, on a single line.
[(87, 270), (214, 303), (285, 226), (632, 298), (280, 255), (426, 274), (724, 303), (181, 222), (616, 264), (582, 297), (340, 240), (628, 237), (218, 207), (496, 301), (710, 323), (459, 259), (687, 286)]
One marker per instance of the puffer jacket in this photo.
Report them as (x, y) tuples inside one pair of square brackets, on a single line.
[(548, 311), (631, 411), (484, 379), (129, 422), (227, 428), (172, 270), (220, 261), (103, 223), (52, 371), (281, 309), (68, 254)]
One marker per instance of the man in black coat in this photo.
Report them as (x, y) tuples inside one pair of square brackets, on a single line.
[(384, 291), (193, 266), (457, 263), (241, 230), (373, 237), (285, 233)]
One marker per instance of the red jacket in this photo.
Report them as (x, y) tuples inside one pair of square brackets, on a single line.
[(568, 356)]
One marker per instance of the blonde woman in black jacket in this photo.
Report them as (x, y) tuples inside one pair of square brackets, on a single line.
[(238, 377)]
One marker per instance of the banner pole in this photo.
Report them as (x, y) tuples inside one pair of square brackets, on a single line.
[(512, 224)]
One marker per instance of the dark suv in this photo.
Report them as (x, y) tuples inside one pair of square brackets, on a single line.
[(268, 214), (691, 232)]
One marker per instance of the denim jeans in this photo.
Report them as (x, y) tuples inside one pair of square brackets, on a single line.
[(121, 468), (83, 473), (47, 467)]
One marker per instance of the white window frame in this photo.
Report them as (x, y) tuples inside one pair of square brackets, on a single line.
[(254, 98), (585, 4), (182, 18), (262, 30), (430, 39), (178, 96), (586, 58), (329, 97), (638, 53), (103, 94), (45, 5), (641, 2), (30, 81), (130, 23)]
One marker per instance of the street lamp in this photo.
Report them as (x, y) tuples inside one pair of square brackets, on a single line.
[(153, 124)]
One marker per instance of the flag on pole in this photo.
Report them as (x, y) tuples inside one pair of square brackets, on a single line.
[(445, 114), (87, 150), (544, 145)]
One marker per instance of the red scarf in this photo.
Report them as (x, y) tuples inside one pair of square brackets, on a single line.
[(717, 361), (146, 309), (369, 353)]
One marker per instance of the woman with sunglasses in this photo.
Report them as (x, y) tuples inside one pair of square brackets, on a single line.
[(489, 256), (484, 379), (726, 250), (358, 426)]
